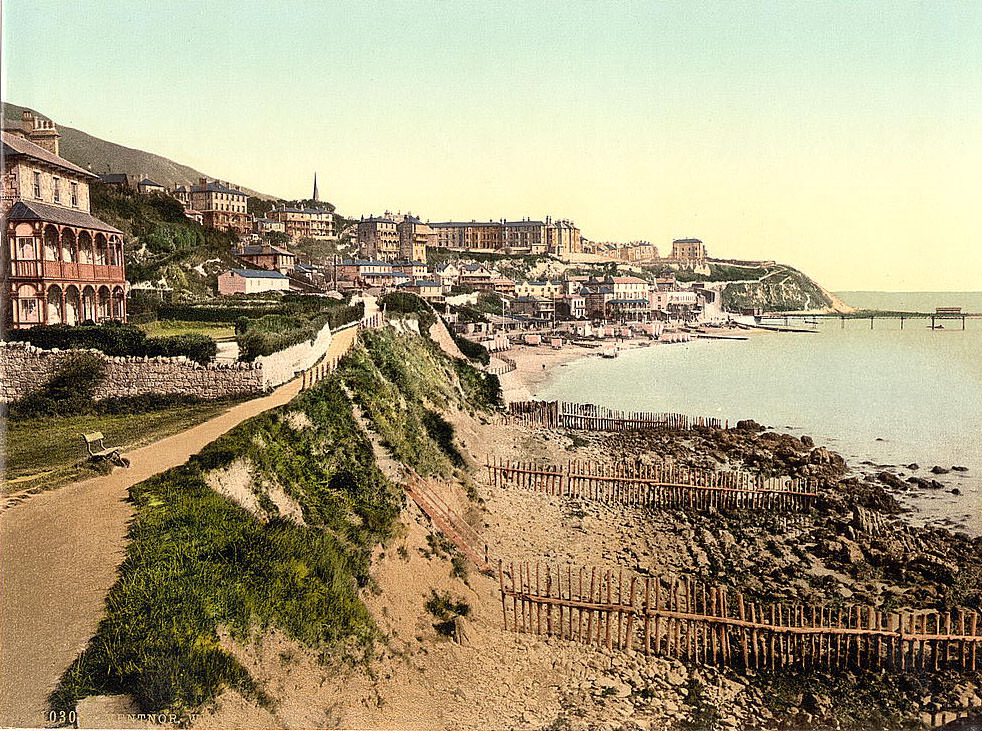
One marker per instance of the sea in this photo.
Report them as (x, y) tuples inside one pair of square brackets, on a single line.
[(883, 397)]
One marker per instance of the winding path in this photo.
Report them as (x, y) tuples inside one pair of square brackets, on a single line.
[(60, 550)]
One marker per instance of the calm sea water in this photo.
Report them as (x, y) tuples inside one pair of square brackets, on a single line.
[(886, 395)]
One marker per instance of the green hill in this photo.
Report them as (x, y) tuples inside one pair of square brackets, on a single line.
[(102, 156)]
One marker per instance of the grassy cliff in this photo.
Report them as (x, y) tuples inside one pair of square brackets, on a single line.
[(272, 526)]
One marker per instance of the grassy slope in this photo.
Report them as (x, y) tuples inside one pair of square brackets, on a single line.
[(198, 563), (46, 453), (164, 328)]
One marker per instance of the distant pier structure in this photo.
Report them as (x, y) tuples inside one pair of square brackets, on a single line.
[(772, 321)]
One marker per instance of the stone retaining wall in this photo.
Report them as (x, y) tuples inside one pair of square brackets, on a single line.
[(24, 368)]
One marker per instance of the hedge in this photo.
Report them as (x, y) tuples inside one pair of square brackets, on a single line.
[(273, 332), (116, 339)]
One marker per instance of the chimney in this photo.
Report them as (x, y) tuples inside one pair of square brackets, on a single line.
[(203, 182), (27, 122)]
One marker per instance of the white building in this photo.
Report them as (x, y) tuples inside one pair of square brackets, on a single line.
[(251, 281)]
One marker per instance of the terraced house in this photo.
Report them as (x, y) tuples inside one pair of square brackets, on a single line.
[(60, 263), (221, 206)]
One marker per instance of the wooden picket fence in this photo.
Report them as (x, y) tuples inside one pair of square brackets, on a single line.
[(507, 365), (453, 526), (589, 417), (704, 624), (656, 485), (317, 373)]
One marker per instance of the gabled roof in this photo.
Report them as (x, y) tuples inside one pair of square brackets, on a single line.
[(14, 146), (114, 178), (148, 181), (34, 211), (686, 241), (259, 273)]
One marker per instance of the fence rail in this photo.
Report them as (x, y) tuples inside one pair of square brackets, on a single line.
[(694, 622), (453, 526), (657, 485), (589, 417), (507, 365)]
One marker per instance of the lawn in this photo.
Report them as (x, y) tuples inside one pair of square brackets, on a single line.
[(48, 452), (216, 330)]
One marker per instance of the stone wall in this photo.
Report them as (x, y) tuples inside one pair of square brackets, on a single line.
[(24, 368)]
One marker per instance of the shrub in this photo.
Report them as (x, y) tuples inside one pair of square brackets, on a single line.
[(199, 348), (117, 339), (299, 319), (474, 351), (447, 610)]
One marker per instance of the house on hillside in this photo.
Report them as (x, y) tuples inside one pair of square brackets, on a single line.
[(147, 186), (266, 256), (60, 264), (221, 207), (251, 281)]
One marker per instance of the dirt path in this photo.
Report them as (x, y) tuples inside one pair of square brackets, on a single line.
[(60, 553)]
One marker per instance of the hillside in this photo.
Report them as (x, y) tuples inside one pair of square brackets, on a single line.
[(162, 244), (102, 156)]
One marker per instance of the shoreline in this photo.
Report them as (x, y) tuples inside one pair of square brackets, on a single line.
[(920, 492)]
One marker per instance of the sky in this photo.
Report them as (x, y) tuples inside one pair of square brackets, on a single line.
[(843, 138)]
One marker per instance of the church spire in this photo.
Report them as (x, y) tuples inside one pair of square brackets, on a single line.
[(316, 198)]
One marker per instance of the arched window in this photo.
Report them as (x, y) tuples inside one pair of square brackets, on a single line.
[(69, 246), (88, 304), (28, 305), (56, 309), (73, 305), (85, 254), (52, 251), (104, 309), (101, 249)]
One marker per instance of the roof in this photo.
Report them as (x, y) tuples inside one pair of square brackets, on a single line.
[(216, 187), (258, 273), (148, 181), (524, 223), (363, 262), (376, 219), (626, 301), (114, 178), (409, 263), (257, 249), (628, 280), (428, 284), (34, 211), (686, 241), (14, 146), (305, 211)]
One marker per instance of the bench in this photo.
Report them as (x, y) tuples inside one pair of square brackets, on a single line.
[(100, 452)]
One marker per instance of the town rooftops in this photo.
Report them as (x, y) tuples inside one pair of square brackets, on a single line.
[(14, 146), (114, 178), (412, 263), (34, 211), (686, 241), (258, 273), (364, 262), (148, 181), (629, 280), (376, 219), (627, 301)]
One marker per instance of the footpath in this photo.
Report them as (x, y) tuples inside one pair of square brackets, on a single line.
[(60, 551)]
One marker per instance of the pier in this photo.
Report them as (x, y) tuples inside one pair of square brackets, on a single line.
[(939, 316)]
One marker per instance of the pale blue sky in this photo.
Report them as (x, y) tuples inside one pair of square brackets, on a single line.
[(843, 138)]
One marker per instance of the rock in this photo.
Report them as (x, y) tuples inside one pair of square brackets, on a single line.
[(888, 478), (748, 425), (677, 676), (913, 466), (807, 441), (958, 468), (820, 455), (938, 470), (955, 491)]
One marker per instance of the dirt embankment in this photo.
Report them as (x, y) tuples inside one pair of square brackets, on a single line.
[(852, 548)]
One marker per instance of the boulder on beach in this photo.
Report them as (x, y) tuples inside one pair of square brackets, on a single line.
[(938, 470)]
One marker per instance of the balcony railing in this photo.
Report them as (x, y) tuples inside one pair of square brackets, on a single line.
[(67, 270)]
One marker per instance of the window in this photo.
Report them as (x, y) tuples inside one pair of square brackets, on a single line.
[(74, 188), (37, 184), (57, 186)]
